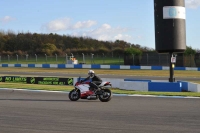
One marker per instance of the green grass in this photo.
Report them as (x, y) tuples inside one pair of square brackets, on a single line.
[(62, 60)]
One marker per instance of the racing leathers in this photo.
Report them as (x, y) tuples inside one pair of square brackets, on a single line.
[(95, 81)]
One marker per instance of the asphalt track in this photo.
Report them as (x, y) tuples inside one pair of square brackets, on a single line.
[(48, 112), (51, 112)]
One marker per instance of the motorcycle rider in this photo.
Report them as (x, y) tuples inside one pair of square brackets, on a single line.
[(95, 80)]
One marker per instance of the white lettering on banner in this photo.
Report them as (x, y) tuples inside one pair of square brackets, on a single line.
[(173, 12)]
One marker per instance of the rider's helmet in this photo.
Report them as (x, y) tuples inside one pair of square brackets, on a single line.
[(91, 73)]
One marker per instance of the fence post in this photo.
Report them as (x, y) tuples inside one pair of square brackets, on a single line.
[(17, 57), (119, 59), (147, 60), (35, 58), (26, 57), (83, 58), (66, 58), (133, 59), (56, 57), (8, 58), (92, 58), (45, 57), (103, 57)]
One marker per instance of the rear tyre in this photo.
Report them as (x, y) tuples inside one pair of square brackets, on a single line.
[(74, 95), (105, 95)]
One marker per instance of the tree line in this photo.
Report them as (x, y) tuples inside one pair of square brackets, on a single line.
[(50, 44)]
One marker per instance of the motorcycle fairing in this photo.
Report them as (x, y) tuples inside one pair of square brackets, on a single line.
[(84, 89)]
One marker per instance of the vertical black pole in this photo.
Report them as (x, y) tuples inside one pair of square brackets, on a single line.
[(171, 79)]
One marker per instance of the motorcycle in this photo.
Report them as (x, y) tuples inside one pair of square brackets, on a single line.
[(82, 90)]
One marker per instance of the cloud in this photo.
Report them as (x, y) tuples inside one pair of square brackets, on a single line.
[(107, 33), (192, 4), (57, 25), (104, 32), (66, 24), (84, 24), (6, 19), (122, 37)]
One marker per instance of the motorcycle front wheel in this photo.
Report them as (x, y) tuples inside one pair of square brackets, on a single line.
[(74, 95), (105, 95)]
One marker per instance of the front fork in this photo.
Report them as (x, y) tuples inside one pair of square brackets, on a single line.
[(76, 89)]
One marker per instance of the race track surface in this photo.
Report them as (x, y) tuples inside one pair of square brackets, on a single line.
[(51, 112)]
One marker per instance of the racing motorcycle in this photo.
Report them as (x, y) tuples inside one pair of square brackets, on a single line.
[(82, 90)]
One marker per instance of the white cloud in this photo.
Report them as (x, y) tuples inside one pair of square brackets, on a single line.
[(66, 24), (106, 33), (57, 25), (84, 28), (192, 3), (84, 24), (6, 19), (122, 37)]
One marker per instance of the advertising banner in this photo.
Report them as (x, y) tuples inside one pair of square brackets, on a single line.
[(37, 80)]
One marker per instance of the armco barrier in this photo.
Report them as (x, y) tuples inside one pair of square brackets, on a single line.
[(97, 66)]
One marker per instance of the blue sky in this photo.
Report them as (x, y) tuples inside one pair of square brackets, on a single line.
[(128, 20)]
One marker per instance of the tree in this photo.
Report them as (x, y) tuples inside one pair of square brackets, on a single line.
[(118, 51), (132, 51), (189, 51), (49, 49)]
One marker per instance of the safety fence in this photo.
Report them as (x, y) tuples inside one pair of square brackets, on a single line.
[(146, 59)]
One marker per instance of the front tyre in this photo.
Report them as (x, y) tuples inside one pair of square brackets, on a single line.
[(74, 95), (105, 95)]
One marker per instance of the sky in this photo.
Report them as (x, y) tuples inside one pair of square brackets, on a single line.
[(107, 20)]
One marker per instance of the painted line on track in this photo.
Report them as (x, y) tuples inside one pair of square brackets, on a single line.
[(134, 95)]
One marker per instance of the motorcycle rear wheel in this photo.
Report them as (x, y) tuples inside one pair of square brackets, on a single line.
[(106, 95), (74, 95)]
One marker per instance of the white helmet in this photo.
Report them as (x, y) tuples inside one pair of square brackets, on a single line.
[(91, 73)]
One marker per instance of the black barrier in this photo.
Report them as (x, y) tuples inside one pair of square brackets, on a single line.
[(37, 80)]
